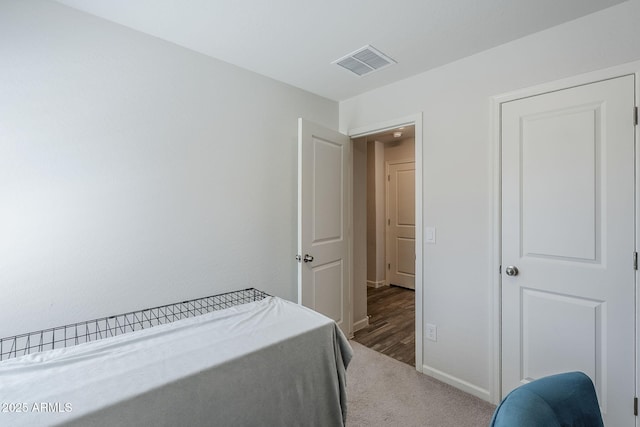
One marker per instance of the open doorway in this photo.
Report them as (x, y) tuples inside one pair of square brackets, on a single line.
[(390, 180)]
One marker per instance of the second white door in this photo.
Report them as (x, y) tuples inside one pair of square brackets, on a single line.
[(401, 224)]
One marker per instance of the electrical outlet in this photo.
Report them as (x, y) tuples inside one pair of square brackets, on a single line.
[(432, 332)]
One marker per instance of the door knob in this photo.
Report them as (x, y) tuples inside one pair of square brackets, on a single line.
[(511, 270), (307, 258)]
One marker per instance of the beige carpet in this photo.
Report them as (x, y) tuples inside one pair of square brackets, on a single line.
[(382, 391)]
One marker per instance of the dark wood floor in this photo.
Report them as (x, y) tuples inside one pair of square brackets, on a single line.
[(391, 329)]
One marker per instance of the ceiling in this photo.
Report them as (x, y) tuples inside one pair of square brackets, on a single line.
[(296, 41)]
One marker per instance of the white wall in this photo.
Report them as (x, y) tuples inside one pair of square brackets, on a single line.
[(136, 173), (381, 213), (399, 150), (371, 214), (458, 168), (376, 271)]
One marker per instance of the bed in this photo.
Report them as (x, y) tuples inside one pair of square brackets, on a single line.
[(269, 362)]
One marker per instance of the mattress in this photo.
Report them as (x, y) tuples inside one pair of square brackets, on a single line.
[(265, 363)]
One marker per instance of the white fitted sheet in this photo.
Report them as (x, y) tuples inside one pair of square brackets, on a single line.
[(266, 363)]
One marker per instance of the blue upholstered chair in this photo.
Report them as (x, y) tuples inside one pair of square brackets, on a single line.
[(563, 400)]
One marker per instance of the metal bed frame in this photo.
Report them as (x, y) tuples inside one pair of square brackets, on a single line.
[(104, 327)]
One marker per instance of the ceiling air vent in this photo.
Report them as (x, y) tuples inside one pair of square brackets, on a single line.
[(364, 61)]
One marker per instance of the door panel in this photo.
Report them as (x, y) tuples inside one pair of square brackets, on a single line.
[(401, 228), (328, 179), (559, 208), (406, 256), (328, 286), (568, 226), (543, 346), (323, 282)]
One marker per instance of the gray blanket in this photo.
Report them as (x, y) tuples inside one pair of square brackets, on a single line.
[(268, 363)]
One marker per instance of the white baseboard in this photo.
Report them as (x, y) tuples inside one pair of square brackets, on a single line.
[(361, 324), (376, 285), (458, 383)]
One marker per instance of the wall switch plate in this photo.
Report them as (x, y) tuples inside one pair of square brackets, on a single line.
[(430, 235), (432, 332)]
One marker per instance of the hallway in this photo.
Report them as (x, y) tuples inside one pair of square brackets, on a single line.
[(391, 329)]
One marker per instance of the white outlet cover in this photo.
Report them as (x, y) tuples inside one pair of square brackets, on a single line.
[(432, 332)]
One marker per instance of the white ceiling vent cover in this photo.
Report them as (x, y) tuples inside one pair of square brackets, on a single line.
[(364, 61)]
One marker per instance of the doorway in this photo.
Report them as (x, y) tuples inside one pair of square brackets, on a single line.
[(389, 176)]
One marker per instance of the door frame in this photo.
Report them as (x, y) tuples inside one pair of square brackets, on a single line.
[(632, 68), (415, 120)]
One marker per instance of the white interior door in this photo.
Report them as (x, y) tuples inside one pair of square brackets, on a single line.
[(323, 212), (401, 224), (568, 228)]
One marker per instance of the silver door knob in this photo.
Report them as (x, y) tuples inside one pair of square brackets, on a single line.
[(511, 270), (307, 258)]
